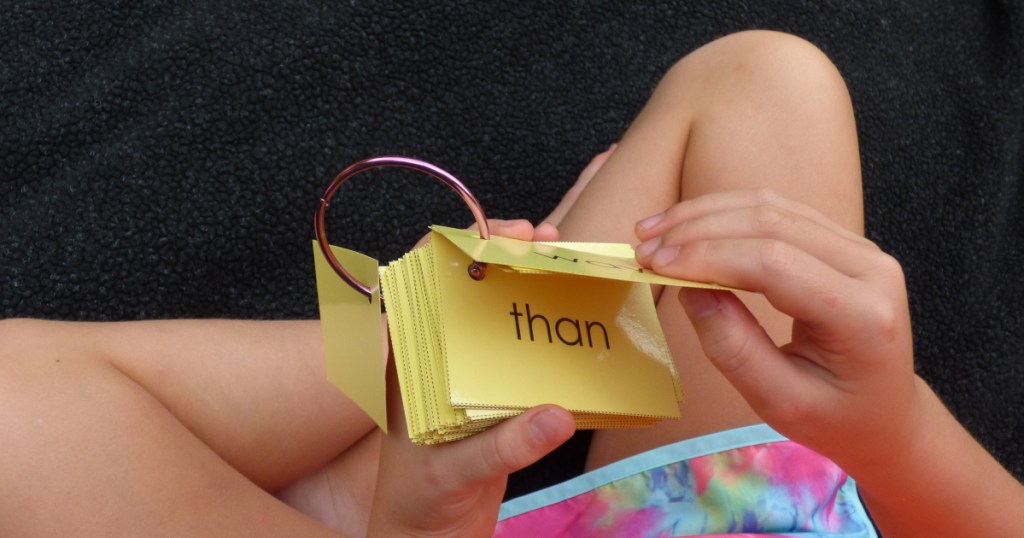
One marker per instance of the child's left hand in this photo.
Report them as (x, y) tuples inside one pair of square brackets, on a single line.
[(455, 489)]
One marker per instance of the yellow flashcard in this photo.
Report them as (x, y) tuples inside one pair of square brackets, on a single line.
[(352, 332), (518, 340), (613, 261)]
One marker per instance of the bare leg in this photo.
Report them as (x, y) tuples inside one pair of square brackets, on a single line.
[(185, 426), (756, 109), (119, 429), (239, 385)]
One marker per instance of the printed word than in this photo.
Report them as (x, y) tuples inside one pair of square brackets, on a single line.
[(571, 332)]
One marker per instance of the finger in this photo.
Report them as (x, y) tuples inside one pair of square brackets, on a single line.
[(795, 282), (733, 340), (771, 381), (520, 229), (509, 446), (733, 200), (546, 231), (848, 253)]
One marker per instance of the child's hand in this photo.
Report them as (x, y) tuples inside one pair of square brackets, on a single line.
[(515, 228), (455, 489), (845, 384), (521, 229)]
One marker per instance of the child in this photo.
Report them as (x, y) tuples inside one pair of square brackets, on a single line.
[(184, 426), (822, 352)]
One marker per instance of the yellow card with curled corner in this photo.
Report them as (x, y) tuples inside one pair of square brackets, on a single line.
[(352, 333), (614, 261), (484, 328)]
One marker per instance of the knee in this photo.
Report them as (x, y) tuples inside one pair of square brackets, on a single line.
[(777, 69)]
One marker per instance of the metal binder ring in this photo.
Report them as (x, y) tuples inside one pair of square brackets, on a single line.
[(476, 269)]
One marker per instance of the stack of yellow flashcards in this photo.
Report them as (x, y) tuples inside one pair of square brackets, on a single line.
[(566, 323)]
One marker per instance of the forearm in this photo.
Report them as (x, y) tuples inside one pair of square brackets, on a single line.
[(941, 483)]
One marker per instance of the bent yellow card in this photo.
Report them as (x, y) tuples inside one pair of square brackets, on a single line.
[(613, 261), (352, 333)]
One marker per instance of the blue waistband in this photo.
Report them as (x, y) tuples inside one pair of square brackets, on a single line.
[(663, 455)]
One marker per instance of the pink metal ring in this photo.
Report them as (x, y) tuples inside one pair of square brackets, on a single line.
[(476, 270)]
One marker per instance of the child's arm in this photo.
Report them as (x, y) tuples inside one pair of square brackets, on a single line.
[(845, 385)]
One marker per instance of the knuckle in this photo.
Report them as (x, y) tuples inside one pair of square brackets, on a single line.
[(776, 258), (729, 350), (502, 455), (769, 219), (890, 269), (887, 311), (887, 320)]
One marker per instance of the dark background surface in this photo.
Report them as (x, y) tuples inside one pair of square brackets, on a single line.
[(164, 159)]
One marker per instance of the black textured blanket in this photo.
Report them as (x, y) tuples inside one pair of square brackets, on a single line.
[(163, 159)]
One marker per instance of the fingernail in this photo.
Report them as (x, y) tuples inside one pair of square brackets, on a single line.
[(699, 302), (665, 256), (645, 249), (650, 222)]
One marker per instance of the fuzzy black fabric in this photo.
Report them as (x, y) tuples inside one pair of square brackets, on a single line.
[(163, 159)]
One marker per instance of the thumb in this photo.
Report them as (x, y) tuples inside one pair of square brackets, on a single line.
[(737, 345), (512, 445)]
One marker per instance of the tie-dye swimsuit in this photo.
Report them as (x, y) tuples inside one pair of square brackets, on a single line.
[(745, 482)]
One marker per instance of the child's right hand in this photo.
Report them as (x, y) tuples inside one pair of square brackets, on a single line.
[(845, 385)]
